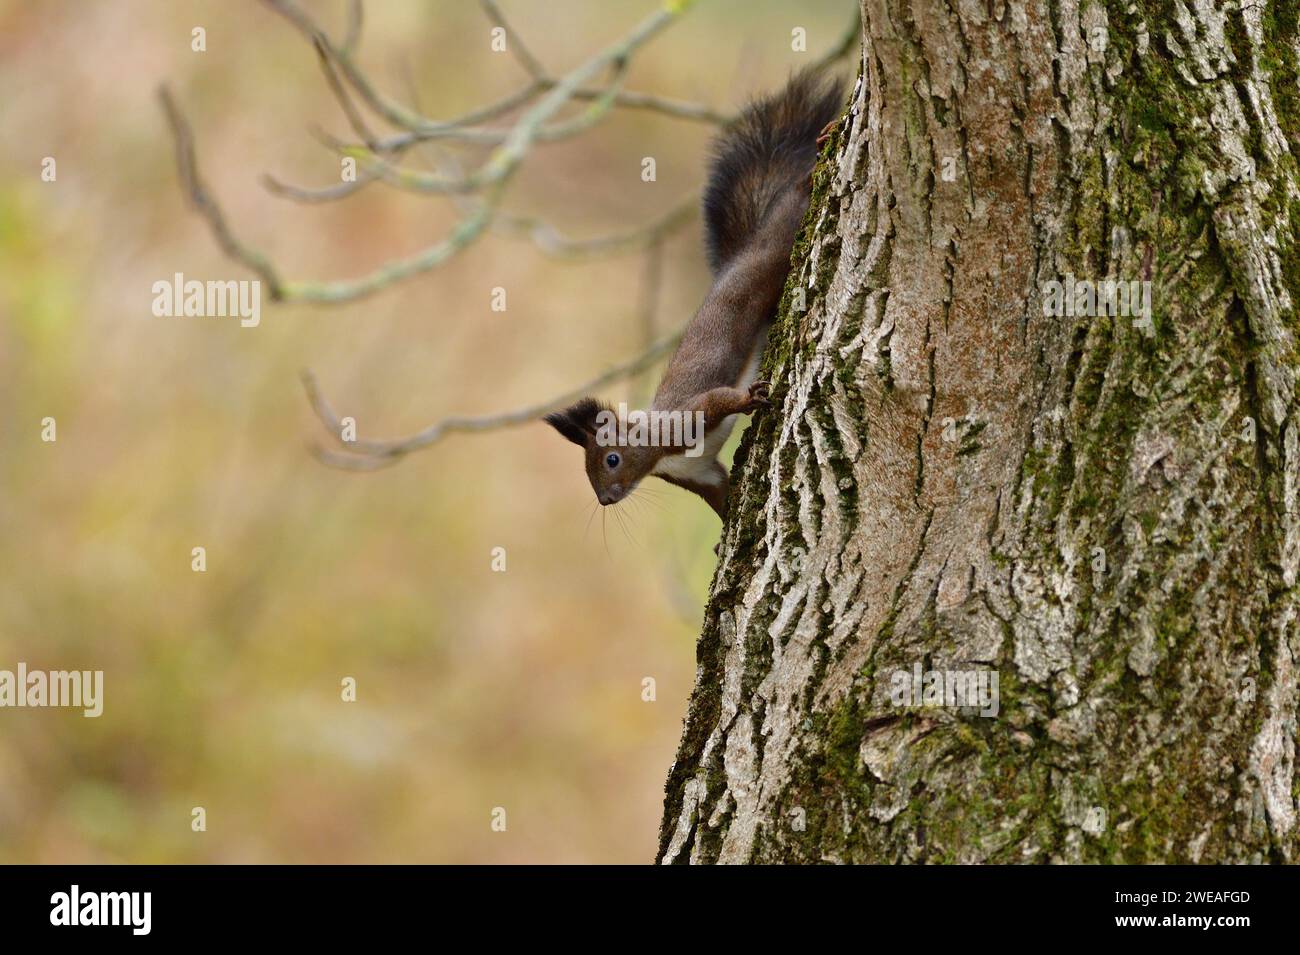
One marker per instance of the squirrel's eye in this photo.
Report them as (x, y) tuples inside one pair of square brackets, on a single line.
[(612, 460)]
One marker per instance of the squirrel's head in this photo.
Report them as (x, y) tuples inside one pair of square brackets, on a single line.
[(614, 469)]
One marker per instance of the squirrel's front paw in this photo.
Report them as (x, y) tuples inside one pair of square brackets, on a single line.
[(759, 392)]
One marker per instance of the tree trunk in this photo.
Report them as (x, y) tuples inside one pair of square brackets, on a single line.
[(1100, 509)]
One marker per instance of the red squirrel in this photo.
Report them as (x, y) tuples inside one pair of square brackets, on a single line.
[(758, 191)]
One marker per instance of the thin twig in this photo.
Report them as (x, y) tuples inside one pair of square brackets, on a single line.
[(500, 165), (311, 196), (676, 108), (558, 246), (491, 178), (352, 39), (403, 118), (197, 192), (461, 131), (345, 102), (544, 96), (365, 454), (333, 293), (514, 43), (461, 128)]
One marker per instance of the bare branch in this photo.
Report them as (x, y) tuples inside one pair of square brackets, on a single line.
[(197, 192), (491, 178), (331, 78), (544, 97), (352, 39), (371, 454), (461, 129), (332, 293), (403, 118), (548, 240), (366, 455), (514, 43), (558, 246), (676, 108), (515, 144), (305, 194)]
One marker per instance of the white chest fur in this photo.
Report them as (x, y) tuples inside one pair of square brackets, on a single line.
[(701, 467)]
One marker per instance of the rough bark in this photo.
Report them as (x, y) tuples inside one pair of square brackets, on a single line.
[(948, 476)]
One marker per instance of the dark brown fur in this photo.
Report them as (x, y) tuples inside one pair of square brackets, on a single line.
[(753, 205)]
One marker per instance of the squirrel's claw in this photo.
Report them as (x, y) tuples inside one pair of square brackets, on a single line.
[(759, 393)]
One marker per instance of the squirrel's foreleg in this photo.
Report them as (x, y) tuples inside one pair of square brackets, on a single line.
[(708, 479), (719, 404)]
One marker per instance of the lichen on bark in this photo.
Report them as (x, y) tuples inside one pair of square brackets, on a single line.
[(1104, 512)]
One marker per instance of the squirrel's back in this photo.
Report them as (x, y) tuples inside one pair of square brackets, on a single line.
[(770, 149)]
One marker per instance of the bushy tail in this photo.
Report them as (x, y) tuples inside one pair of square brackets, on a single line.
[(770, 148)]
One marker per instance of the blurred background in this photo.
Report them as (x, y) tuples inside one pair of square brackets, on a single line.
[(475, 689)]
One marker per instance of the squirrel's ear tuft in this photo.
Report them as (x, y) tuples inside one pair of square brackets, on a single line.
[(577, 422)]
